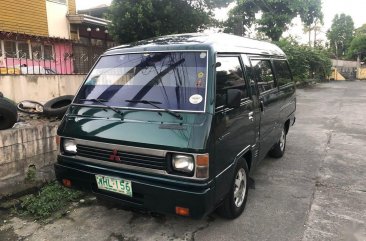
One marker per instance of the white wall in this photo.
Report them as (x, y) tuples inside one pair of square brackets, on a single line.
[(58, 25), (41, 88)]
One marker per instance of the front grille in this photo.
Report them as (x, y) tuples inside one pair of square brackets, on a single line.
[(122, 157)]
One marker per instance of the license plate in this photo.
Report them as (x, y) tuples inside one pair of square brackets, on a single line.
[(114, 184)]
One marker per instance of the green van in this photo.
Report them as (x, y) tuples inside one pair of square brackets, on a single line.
[(176, 124)]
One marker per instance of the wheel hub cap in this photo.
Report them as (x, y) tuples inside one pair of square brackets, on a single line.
[(240, 186), (282, 140)]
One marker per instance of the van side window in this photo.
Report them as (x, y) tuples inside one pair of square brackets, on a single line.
[(262, 71), (283, 73), (229, 75)]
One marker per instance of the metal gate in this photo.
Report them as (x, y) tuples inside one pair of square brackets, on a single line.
[(85, 56)]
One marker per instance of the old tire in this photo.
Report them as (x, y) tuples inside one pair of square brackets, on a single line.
[(234, 202), (279, 148), (57, 107), (8, 114)]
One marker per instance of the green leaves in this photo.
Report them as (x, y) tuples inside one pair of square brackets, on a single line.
[(358, 47), (50, 199), (136, 20), (340, 34), (276, 15), (306, 62)]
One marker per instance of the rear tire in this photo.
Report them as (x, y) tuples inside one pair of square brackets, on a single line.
[(279, 148), (234, 202)]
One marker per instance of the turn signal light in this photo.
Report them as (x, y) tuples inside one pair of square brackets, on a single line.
[(203, 162), (182, 211), (66, 182)]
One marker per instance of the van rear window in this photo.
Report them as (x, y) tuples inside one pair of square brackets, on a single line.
[(172, 80)]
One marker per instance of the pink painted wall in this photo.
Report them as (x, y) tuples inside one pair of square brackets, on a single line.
[(61, 64)]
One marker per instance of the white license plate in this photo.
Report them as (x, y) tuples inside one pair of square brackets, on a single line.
[(114, 184)]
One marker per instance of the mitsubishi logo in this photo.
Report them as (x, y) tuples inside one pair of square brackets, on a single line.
[(114, 156)]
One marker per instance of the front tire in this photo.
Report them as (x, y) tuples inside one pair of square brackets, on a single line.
[(279, 148), (234, 202)]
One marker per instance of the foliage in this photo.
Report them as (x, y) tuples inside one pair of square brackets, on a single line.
[(50, 199), (306, 62), (217, 3), (310, 12), (241, 17), (136, 20), (276, 15), (340, 34), (31, 174), (361, 30), (358, 47)]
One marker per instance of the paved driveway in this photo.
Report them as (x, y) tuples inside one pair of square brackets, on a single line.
[(317, 191)]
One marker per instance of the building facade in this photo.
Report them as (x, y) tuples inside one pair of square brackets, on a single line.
[(49, 37)]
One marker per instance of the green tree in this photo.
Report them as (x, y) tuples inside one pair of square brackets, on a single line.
[(134, 20), (361, 30), (306, 62), (340, 34), (276, 15), (358, 47), (241, 18), (311, 15)]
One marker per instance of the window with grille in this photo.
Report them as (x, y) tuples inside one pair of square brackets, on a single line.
[(10, 48), (23, 50), (48, 52), (36, 51)]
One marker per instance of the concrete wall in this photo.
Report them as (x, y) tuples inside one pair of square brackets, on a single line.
[(361, 73), (25, 151), (39, 88)]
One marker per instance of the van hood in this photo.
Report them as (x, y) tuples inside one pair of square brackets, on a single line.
[(149, 129)]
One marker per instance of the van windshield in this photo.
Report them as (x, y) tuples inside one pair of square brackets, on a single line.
[(171, 80)]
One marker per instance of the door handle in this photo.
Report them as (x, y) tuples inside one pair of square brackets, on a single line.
[(250, 116), (261, 105)]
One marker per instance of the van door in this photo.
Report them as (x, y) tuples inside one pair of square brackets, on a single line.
[(233, 127), (269, 103)]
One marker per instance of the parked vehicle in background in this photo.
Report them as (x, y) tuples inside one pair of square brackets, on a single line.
[(176, 124)]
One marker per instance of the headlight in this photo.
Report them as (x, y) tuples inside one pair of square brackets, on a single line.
[(69, 146), (183, 163)]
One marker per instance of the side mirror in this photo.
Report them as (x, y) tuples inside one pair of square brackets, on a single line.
[(233, 98)]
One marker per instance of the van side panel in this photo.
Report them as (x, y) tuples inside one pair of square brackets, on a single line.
[(288, 99), (234, 128)]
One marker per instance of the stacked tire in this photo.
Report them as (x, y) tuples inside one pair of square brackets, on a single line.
[(57, 107), (8, 113)]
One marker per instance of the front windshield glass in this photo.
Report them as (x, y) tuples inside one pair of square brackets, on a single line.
[(171, 80)]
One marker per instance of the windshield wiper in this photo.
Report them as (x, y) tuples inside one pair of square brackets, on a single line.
[(101, 101), (154, 103)]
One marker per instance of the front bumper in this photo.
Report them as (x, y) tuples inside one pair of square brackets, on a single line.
[(150, 192)]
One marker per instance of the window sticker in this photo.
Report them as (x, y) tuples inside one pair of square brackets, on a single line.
[(199, 83), (200, 75), (195, 99), (203, 55)]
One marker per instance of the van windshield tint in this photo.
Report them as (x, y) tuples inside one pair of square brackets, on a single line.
[(172, 80)]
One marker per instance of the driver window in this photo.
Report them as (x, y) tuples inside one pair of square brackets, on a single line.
[(229, 75)]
